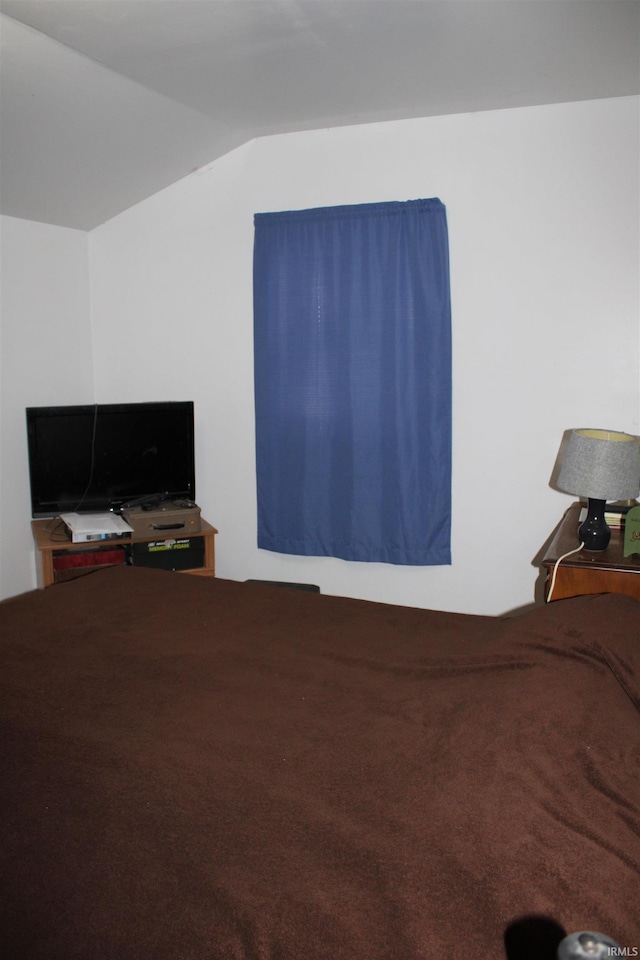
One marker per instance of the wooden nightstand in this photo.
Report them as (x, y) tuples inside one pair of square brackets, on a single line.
[(607, 571)]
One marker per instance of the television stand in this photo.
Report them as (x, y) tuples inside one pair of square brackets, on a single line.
[(59, 559)]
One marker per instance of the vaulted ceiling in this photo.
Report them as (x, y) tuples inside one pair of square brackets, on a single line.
[(104, 102)]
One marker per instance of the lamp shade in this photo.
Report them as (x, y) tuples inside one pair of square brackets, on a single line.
[(601, 464)]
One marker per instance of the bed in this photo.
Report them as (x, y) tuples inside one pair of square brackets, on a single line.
[(198, 769)]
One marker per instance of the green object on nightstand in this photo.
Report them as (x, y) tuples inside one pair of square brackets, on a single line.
[(632, 532)]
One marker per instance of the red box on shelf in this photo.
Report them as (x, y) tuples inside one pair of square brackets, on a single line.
[(83, 558)]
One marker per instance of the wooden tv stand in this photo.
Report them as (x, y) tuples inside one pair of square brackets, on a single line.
[(52, 542)]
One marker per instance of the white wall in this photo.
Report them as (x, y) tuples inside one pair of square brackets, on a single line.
[(543, 218), (45, 358)]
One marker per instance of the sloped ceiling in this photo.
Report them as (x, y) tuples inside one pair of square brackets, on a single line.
[(104, 102)]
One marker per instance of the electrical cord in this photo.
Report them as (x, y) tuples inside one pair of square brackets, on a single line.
[(93, 458), (56, 530), (557, 564)]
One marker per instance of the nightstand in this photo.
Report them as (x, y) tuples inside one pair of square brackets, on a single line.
[(605, 571)]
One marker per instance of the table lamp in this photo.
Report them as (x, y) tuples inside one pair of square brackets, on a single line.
[(600, 465)]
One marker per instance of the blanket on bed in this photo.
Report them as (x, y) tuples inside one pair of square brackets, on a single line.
[(196, 769)]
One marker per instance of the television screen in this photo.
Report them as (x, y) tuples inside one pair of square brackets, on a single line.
[(102, 456)]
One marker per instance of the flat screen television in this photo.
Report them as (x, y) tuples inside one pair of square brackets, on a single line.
[(98, 457)]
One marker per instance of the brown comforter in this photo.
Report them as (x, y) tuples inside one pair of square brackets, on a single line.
[(201, 769)]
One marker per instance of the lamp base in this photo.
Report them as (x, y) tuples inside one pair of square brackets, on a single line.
[(594, 532)]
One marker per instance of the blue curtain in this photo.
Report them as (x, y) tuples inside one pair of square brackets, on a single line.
[(352, 341)]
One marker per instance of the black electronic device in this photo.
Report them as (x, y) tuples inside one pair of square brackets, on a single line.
[(96, 457), (179, 553)]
